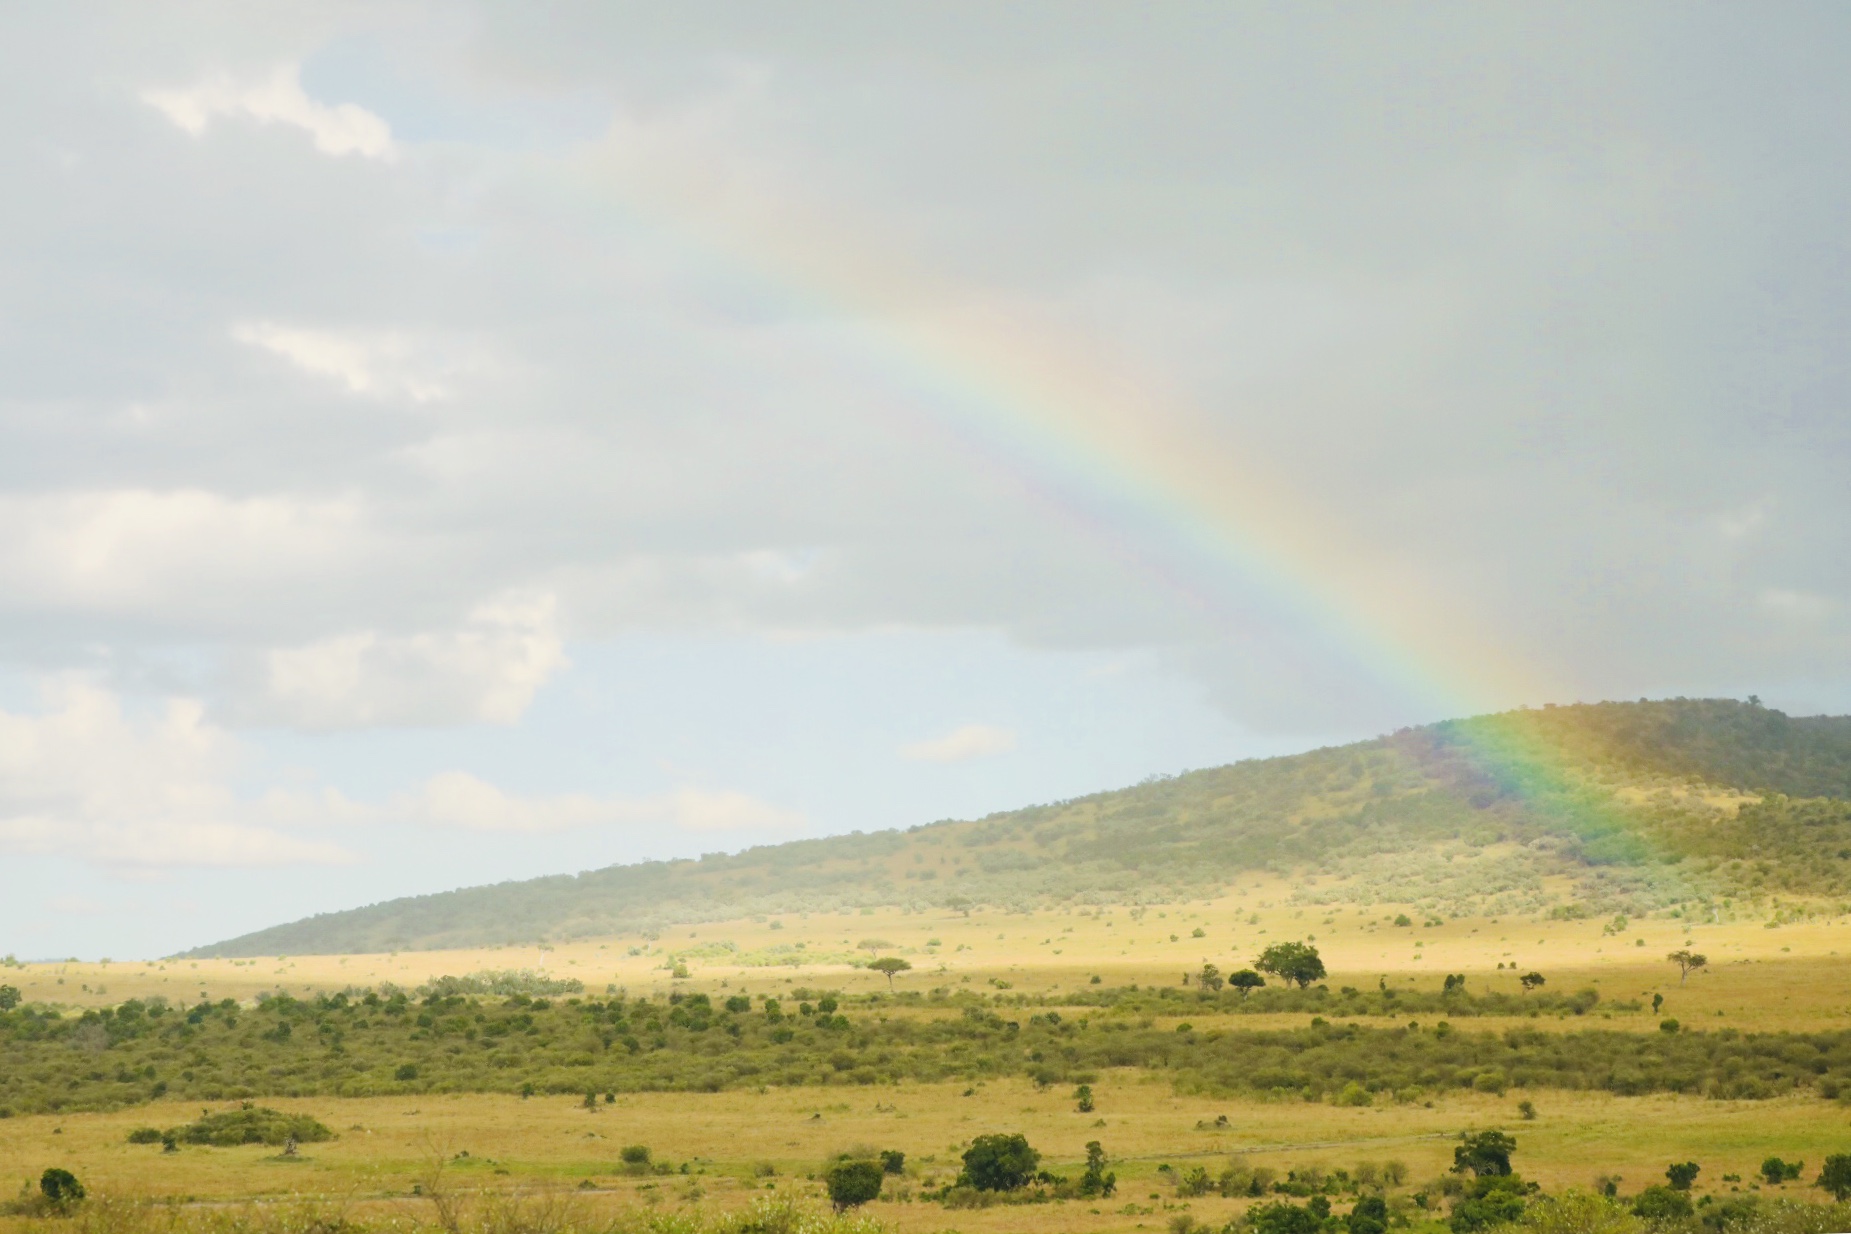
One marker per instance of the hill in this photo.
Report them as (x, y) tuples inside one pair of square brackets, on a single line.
[(1669, 806)]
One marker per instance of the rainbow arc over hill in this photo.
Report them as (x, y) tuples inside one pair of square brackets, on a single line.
[(1129, 461)]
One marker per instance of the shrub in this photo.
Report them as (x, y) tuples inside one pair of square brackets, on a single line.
[(1280, 1217), (145, 1135), (60, 1187), (253, 1125), (1660, 1203), (1370, 1216), (1682, 1174), (1491, 1199)]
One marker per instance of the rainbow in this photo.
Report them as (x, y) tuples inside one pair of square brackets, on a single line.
[(1117, 452)]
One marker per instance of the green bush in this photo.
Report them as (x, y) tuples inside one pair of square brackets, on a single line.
[(60, 1187), (253, 1125), (1661, 1203)]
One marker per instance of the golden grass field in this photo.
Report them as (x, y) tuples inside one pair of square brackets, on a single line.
[(1791, 977)]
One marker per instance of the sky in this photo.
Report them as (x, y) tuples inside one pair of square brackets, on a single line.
[(449, 443)]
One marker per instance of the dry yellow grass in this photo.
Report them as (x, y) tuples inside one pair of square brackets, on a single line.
[(386, 1145)]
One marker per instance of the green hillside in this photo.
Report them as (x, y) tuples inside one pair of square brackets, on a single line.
[(1599, 808)]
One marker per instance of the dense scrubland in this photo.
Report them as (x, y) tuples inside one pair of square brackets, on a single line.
[(693, 1042)]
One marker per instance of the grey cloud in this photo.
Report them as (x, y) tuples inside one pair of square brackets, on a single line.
[(1521, 307)]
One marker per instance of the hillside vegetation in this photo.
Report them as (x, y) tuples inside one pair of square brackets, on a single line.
[(1679, 806)]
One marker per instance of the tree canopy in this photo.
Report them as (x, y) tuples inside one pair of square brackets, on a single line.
[(1298, 963)]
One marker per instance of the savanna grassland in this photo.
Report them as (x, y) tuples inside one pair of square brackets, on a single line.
[(1492, 935), (950, 1053)]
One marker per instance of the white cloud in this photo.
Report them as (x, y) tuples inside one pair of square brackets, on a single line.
[(84, 780), (381, 364), (488, 670), (962, 744), (458, 799), (342, 129), (1799, 605), (136, 548)]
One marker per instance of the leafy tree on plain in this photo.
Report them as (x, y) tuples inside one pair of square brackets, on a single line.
[(853, 1183), (999, 1163), (1687, 961), (1776, 1171), (1096, 1181), (1836, 1176), (1484, 1154), (1210, 978), (889, 966), (1298, 963), (1083, 1097), (1530, 981), (1681, 1174)]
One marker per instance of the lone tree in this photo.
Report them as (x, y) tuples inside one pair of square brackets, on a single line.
[(1836, 1176), (1096, 1181), (1210, 978), (999, 1163), (888, 966), (1246, 981), (1687, 961), (9, 997), (1529, 981), (1682, 1174), (853, 1183), (1485, 1154), (1297, 963)]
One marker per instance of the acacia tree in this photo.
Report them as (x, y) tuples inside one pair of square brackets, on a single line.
[(888, 966), (1246, 981), (1687, 961), (1529, 981), (1295, 962)]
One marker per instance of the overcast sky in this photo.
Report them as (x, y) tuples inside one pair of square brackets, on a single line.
[(441, 444)]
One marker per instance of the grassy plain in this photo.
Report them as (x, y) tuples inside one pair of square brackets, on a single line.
[(1788, 978)]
